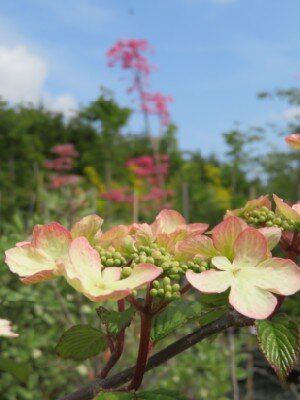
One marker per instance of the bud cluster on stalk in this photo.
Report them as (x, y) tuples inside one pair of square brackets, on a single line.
[(167, 287), (266, 217)]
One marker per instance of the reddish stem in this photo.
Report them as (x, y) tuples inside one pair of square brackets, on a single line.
[(117, 348), (146, 320)]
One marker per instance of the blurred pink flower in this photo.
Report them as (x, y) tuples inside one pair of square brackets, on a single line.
[(65, 150), (58, 181), (293, 141), (157, 103)]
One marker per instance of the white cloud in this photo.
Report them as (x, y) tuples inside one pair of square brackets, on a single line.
[(22, 79), (64, 103), (22, 74), (291, 114)]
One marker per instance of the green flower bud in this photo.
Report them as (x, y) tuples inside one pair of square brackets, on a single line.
[(153, 292), (166, 280), (176, 295), (160, 292), (110, 262), (150, 260), (168, 296), (126, 271), (156, 284), (175, 277), (175, 287)]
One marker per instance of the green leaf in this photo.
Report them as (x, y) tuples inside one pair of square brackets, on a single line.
[(160, 394), (177, 313), (116, 396), (279, 340), (214, 299), (21, 371), (210, 316), (81, 342), (115, 321)]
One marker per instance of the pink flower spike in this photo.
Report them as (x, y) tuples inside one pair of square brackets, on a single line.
[(293, 141), (6, 330)]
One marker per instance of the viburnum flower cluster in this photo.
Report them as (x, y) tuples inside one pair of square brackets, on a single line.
[(64, 161), (162, 256)]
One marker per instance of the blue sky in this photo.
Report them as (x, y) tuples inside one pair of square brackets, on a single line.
[(214, 56)]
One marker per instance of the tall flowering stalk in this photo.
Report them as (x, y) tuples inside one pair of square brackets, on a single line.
[(130, 55)]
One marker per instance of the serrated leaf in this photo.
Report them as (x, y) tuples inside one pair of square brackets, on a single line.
[(160, 394), (81, 342), (115, 321), (279, 341), (20, 371), (177, 313), (116, 396)]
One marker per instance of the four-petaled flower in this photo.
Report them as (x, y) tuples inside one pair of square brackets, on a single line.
[(242, 258), (55, 251)]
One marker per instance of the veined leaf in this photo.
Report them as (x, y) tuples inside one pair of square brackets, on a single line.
[(279, 340), (81, 342), (177, 313), (115, 321)]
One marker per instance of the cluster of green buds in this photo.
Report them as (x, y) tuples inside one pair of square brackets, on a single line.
[(111, 258), (266, 217), (164, 289), (173, 270)]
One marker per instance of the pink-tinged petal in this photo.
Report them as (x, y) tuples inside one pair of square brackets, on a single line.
[(88, 227), (103, 294), (272, 235), (211, 281), (222, 263), (250, 300), (224, 235), (278, 275), (255, 204), (111, 274), (143, 235), (293, 141), (113, 234), (167, 221), (197, 228), (84, 266), (31, 264), (286, 210), (6, 330), (296, 207), (20, 244), (199, 245), (53, 239), (141, 275), (250, 248)]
